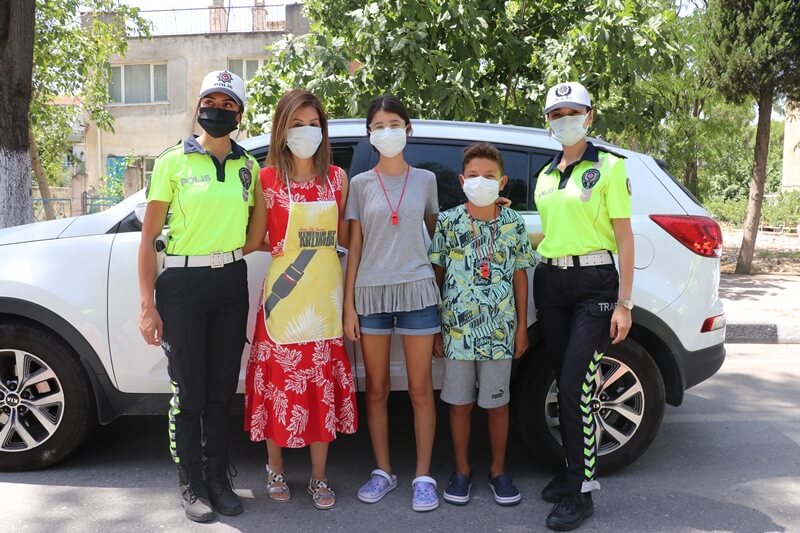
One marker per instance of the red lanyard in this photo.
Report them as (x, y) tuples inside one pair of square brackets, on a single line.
[(486, 262), (395, 211)]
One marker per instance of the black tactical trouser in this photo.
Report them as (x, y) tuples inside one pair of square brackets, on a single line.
[(204, 311), (574, 307)]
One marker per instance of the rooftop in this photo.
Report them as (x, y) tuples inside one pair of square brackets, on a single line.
[(217, 18)]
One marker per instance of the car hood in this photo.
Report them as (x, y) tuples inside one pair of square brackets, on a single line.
[(38, 231)]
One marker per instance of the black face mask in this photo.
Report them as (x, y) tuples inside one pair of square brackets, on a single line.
[(217, 122)]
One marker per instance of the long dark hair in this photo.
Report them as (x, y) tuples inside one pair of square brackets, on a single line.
[(388, 103)]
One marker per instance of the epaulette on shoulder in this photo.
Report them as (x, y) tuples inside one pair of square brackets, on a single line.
[(246, 153), (609, 151), (174, 146)]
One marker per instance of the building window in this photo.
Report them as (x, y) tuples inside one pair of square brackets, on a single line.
[(245, 68), (138, 84)]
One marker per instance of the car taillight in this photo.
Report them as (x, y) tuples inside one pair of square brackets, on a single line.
[(701, 235), (713, 323)]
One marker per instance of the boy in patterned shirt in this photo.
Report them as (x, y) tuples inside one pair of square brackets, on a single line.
[(479, 252)]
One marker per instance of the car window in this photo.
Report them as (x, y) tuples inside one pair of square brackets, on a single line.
[(342, 155), (663, 166), (538, 162), (444, 160)]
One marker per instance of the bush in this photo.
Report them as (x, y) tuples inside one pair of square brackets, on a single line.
[(730, 212), (782, 210)]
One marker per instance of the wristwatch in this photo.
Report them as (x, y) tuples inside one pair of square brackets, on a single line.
[(627, 304)]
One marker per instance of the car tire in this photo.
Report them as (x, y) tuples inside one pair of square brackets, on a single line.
[(624, 439), (46, 402)]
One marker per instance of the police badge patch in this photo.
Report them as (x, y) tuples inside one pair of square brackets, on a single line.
[(563, 90), (246, 177), (588, 181), (590, 178)]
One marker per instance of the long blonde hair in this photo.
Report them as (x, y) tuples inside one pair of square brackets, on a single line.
[(280, 156)]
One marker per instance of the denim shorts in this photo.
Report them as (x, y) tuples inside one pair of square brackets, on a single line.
[(420, 322)]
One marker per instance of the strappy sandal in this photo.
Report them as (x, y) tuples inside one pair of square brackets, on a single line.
[(321, 494), (277, 489)]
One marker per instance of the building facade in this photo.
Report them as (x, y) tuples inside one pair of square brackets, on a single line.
[(154, 87)]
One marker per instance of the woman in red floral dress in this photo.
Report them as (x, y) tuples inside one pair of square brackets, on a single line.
[(299, 387)]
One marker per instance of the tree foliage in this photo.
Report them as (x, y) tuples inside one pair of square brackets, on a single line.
[(470, 60), (73, 43), (756, 47), (755, 56)]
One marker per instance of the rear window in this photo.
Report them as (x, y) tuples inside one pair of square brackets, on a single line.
[(663, 166)]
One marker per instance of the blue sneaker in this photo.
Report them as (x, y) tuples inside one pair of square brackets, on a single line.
[(425, 497), (505, 493), (457, 491), (379, 484)]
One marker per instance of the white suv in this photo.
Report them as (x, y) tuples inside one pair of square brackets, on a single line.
[(71, 353)]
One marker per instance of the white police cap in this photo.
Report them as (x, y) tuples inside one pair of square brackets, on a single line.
[(571, 94), (223, 81)]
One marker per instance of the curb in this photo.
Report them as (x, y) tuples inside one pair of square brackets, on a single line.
[(763, 333)]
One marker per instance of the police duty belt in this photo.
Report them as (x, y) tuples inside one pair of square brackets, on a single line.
[(287, 280)]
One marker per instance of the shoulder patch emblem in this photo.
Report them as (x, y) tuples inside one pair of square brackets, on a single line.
[(590, 178), (630, 190)]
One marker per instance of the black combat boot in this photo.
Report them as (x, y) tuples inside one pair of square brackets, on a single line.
[(194, 496), (220, 487), (568, 514), (556, 489)]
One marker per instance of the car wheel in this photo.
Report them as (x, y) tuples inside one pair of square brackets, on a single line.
[(46, 403), (628, 404)]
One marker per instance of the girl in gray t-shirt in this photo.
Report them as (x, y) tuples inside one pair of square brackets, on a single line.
[(390, 287)]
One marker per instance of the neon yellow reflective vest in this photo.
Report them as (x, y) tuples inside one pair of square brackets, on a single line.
[(576, 208), (209, 201)]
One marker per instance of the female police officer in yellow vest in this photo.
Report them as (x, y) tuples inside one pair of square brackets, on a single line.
[(583, 197), (209, 185)]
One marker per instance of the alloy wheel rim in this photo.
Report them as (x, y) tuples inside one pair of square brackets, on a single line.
[(618, 404), (31, 401)]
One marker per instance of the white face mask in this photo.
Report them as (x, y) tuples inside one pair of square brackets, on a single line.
[(481, 191), (389, 142), (303, 141), (569, 130)]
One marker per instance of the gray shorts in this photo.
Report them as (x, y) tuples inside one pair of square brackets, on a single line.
[(485, 381)]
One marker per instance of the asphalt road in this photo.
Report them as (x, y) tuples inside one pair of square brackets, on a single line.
[(727, 460)]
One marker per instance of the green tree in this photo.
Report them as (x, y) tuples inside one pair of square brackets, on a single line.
[(74, 41), (728, 162), (468, 60), (676, 108), (755, 56)]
